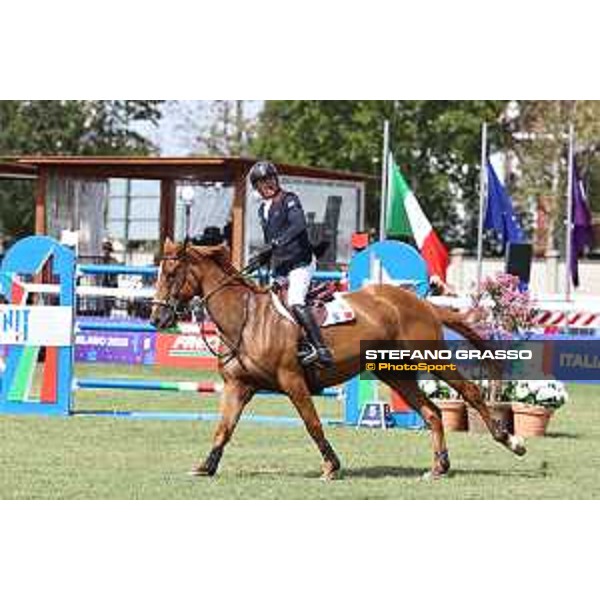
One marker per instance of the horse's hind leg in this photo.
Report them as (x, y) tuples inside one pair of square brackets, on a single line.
[(432, 416), (235, 397), (472, 395), (299, 394)]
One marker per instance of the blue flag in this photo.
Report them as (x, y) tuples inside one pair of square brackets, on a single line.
[(499, 213)]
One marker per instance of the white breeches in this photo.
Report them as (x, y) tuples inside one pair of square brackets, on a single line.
[(299, 283)]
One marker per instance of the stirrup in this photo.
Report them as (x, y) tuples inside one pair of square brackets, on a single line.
[(329, 362), (307, 355)]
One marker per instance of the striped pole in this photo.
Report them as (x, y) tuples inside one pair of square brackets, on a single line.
[(203, 387), (207, 386), (182, 328)]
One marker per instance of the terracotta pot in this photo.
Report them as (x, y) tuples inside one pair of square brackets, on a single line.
[(500, 411), (454, 414), (530, 421)]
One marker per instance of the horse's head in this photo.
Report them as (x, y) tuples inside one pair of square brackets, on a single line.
[(181, 276)]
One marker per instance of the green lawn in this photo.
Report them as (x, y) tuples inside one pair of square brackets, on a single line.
[(102, 458)]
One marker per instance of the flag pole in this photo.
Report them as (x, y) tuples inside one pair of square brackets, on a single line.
[(482, 194), (384, 173), (569, 234)]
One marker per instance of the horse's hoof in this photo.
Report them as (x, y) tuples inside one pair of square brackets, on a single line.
[(201, 471), (433, 475), (517, 444), (330, 475)]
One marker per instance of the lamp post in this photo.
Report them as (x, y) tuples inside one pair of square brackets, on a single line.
[(187, 194)]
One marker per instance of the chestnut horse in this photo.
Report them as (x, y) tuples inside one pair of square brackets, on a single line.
[(262, 346)]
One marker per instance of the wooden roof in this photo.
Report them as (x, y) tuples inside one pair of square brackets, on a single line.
[(11, 170), (149, 167)]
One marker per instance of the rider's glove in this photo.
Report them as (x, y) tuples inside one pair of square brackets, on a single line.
[(263, 255)]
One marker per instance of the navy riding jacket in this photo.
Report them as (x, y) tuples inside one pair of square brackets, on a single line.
[(285, 228)]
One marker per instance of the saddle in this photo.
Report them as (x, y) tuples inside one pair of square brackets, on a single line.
[(316, 298), (328, 308)]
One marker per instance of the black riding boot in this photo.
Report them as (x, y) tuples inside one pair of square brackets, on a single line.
[(305, 318)]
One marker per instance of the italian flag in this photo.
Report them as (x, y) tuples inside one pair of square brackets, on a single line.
[(405, 217)]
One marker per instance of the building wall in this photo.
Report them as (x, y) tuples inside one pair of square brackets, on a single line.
[(547, 275)]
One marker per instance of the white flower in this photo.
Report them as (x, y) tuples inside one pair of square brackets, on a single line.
[(522, 390), (429, 386), (535, 385), (546, 393)]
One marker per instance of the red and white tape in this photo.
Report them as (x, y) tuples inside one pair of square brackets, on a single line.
[(559, 318)]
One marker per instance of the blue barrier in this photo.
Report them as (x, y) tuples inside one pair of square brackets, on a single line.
[(123, 327), (152, 271), (187, 416), (117, 270)]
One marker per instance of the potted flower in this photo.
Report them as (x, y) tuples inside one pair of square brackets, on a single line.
[(454, 414), (533, 404), (500, 410), (501, 311)]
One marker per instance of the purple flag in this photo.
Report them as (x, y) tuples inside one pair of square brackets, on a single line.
[(582, 232)]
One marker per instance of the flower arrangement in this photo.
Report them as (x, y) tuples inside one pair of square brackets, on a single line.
[(436, 389), (503, 310), (548, 394)]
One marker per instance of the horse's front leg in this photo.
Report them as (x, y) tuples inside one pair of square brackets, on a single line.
[(234, 399), (296, 389)]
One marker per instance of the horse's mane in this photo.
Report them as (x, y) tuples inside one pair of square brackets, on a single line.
[(220, 255)]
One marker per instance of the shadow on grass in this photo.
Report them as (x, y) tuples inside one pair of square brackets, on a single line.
[(562, 435), (400, 472), (378, 472)]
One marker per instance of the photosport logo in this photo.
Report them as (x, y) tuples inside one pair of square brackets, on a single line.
[(535, 359)]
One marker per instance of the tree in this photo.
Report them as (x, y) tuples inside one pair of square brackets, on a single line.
[(69, 127), (216, 128), (436, 143), (537, 134)]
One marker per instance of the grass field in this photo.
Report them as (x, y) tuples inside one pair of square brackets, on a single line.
[(105, 458)]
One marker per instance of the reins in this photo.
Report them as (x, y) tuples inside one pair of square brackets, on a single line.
[(198, 304)]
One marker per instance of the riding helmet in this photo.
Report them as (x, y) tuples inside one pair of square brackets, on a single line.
[(262, 170)]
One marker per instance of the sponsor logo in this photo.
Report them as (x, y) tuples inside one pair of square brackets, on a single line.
[(176, 349), (102, 341), (15, 324)]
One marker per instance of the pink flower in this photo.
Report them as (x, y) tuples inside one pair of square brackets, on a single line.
[(510, 311)]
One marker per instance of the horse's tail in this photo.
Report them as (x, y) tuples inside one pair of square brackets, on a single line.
[(457, 322)]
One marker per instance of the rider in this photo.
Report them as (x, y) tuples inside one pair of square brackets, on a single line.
[(289, 249)]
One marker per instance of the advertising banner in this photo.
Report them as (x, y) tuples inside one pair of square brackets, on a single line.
[(185, 350), (35, 325), (129, 347)]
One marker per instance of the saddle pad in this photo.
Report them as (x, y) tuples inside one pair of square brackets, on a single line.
[(338, 310), (280, 308)]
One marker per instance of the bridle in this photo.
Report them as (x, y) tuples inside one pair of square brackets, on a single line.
[(199, 303)]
